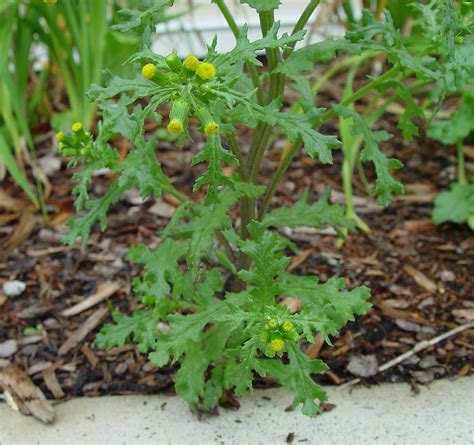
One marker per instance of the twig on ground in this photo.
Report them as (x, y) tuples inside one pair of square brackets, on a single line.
[(90, 324), (105, 291)]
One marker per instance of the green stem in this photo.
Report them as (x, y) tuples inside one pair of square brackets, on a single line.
[(267, 19), (263, 138), (348, 197), (363, 177), (255, 156), (232, 140), (263, 131), (461, 168), (227, 247), (284, 164), (349, 61), (235, 30)]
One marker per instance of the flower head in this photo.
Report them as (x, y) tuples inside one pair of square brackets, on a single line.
[(76, 127), (209, 125), (287, 326), (86, 151), (277, 344), (272, 324), (211, 128), (175, 126), (206, 71), (179, 114), (191, 63), (149, 71), (59, 136), (174, 62)]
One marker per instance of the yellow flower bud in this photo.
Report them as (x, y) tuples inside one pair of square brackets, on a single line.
[(211, 128), (175, 126), (287, 326), (209, 125), (191, 63), (149, 71), (206, 71), (277, 344), (174, 62), (59, 136), (51, 2), (76, 127), (179, 114)]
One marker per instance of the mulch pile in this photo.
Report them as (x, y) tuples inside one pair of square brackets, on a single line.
[(420, 276)]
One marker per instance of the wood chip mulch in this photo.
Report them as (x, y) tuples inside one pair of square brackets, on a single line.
[(420, 276)]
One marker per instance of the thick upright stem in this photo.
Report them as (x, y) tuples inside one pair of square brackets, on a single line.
[(263, 131), (232, 140), (277, 85)]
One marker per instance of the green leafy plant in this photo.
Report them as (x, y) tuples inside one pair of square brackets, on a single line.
[(15, 136), (81, 44), (457, 204), (441, 31), (212, 291)]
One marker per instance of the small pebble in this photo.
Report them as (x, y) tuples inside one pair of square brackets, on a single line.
[(407, 325), (428, 362), (8, 348), (423, 376), (363, 365), (13, 288), (446, 275)]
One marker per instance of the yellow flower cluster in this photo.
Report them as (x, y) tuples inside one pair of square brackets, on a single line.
[(276, 334), (204, 70)]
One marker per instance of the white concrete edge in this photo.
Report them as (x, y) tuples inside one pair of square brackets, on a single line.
[(387, 414)]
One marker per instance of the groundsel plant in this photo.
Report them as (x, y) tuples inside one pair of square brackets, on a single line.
[(211, 292)]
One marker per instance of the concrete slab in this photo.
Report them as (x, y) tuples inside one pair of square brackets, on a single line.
[(442, 413)]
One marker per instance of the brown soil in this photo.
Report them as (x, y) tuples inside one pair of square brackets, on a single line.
[(420, 276)]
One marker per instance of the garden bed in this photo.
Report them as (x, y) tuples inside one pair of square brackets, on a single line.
[(420, 275)]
